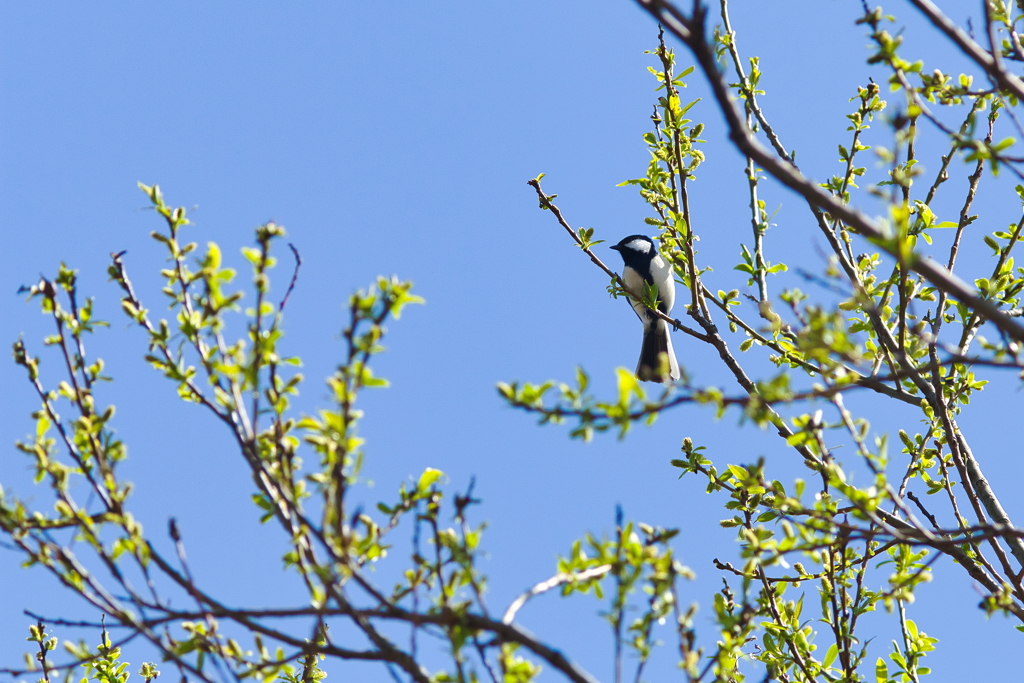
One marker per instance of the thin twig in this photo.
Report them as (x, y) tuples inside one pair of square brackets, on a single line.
[(546, 203), (295, 278)]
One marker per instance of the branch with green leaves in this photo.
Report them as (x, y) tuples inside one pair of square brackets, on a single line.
[(900, 322), (332, 539)]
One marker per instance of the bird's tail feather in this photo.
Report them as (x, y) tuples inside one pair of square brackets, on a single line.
[(657, 359)]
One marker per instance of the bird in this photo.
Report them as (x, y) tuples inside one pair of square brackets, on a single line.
[(644, 265)]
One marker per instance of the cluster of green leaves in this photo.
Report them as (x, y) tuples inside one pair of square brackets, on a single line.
[(817, 533), (631, 560), (101, 665), (674, 160), (870, 104), (631, 403), (749, 265), (91, 455)]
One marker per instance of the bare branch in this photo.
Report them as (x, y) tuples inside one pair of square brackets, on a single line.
[(553, 582)]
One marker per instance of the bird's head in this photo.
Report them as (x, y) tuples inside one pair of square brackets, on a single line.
[(636, 249)]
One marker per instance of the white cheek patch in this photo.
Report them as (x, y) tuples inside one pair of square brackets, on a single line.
[(642, 246)]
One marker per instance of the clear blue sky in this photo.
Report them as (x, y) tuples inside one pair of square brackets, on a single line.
[(398, 138)]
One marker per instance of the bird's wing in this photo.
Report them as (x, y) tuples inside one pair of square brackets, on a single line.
[(635, 283), (664, 277)]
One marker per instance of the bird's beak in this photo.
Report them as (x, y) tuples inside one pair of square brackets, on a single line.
[(615, 247)]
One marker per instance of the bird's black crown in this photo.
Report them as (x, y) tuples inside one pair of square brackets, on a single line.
[(636, 250)]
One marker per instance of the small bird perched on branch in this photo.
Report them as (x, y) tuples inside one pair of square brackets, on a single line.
[(645, 266)]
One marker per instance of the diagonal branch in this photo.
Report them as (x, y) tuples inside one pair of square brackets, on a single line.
[(975, 52)]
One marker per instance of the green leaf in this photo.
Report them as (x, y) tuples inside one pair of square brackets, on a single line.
[(740, 473), (628, 384), (1003, 144), (429, 476)]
